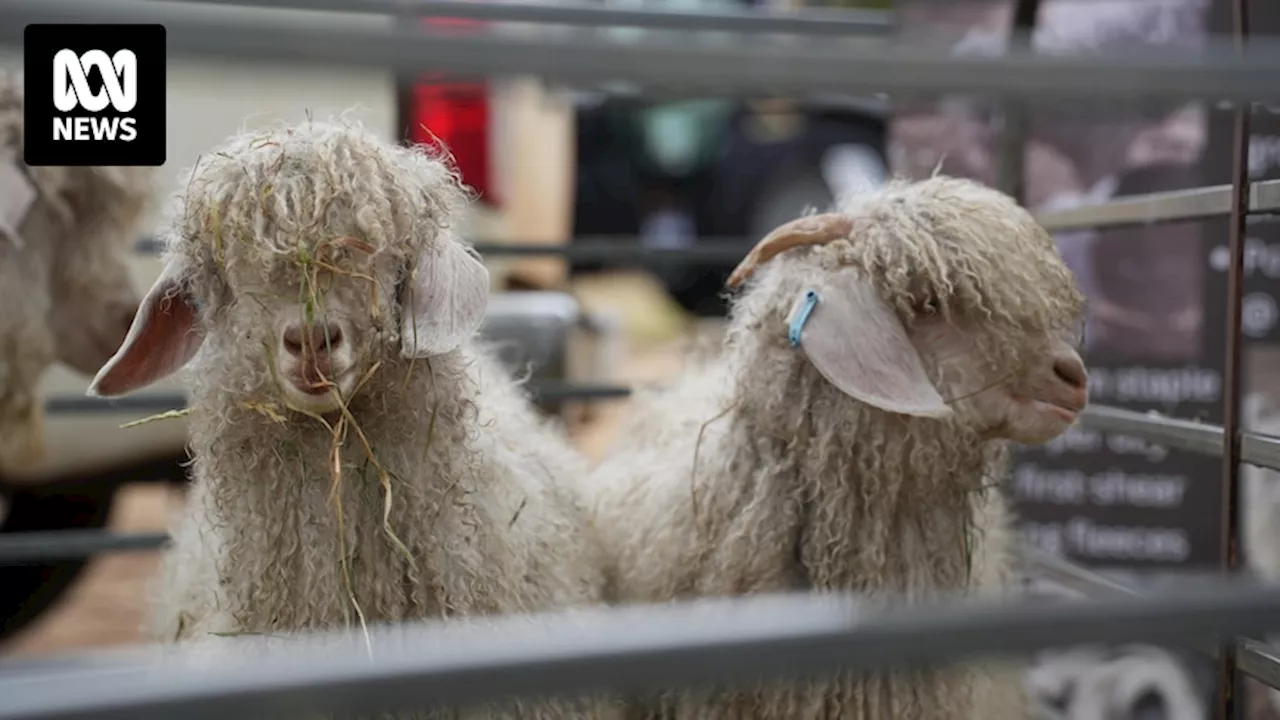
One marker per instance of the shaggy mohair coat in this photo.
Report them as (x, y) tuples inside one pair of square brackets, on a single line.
[(444, 495), (755, 474)]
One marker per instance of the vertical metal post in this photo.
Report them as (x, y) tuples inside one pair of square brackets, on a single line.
[(1011, 158), (1231, 705)]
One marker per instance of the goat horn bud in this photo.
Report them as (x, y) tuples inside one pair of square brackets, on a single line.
[(811, 230)]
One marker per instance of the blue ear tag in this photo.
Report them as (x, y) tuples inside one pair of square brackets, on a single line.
[(802, 317)]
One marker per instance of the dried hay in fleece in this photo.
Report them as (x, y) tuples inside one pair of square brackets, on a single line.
[(64, 284), (755, 473), (424, 485)]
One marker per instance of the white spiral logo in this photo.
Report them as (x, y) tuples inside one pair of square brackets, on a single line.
[(119, 80)]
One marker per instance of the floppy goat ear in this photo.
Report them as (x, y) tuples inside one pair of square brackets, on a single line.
[(19, 195), (164, 336), (857, 343), (443, 301)]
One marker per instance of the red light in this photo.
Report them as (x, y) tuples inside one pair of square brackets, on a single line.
[(457, 115)]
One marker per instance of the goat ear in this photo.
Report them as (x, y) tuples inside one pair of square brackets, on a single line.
[(19, 196), (858, 344), (444, 300), (164, 336)]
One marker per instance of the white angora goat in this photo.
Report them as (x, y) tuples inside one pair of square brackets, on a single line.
[(848, 435), (357, 458)]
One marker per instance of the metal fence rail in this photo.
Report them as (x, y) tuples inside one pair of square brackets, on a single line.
[(1193, 204), (749, 68), (1206, 439), (33, 548), (1202, 438), (1160, 207), (620, 649), (158, 402), (618, 250), (804, 22)]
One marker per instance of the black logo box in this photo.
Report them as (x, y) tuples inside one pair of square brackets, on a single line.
[(41, 42)]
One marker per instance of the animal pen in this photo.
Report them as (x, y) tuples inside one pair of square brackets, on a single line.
[(714, 641)]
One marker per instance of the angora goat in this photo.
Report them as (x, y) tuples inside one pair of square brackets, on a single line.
[(848, 435), (64, 235), (357, 459)]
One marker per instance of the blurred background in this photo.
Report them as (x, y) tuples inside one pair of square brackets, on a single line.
[(557, 165)]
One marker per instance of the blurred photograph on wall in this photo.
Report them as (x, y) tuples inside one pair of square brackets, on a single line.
[(1080, 153)]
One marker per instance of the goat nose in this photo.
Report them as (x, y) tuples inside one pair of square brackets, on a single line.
[(1071, 371), (316, 339)]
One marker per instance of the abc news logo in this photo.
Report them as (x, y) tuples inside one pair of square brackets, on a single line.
[(71, 90), (95, 94)]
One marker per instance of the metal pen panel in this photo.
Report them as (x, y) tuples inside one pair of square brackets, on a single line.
[(1179, 205), (1202, 438), (1191, 204), (762, 68), (621, 649), (803, 22), (1189, 435), (41, 547), (1258, 660)]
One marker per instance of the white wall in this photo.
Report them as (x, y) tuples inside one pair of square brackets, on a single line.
[(207, 102)]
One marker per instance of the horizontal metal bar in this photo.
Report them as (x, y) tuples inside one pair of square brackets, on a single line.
[(1202, 438), (23, 664), (627, 250), (1254, 657), (698, 67), (73, 544), (808, 22), (1189, 204), (1264, 196), (1041, 565), (70, 544), (544, 390), (612, 250), (1187, 435), (1193, 204), (19, 548), (547, 390), (1038, 564), (146, 402), (92, 476), (622, 649), (1258, 660), (149, 245), (31, 548), (1260, 450)]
